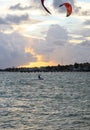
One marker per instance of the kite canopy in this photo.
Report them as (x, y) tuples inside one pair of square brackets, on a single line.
[(68, 7), (42, 1)]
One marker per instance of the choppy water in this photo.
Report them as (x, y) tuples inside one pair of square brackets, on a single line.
[(59, 102)]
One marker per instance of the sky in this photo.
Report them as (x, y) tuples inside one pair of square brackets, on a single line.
[(31, 37)]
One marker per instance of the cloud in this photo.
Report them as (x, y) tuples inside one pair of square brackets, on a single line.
[(6, 28), (56, 3), (2, 21), (56, 34), (14, 19), (84, 32), (86, 13), (12, 50), (69, 54), (82, 8), (35, 2), (87, 22), (79, 11), (19, 7), (56, 47), (85, 43)]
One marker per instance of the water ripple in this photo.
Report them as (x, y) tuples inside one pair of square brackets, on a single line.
[(59, 102)]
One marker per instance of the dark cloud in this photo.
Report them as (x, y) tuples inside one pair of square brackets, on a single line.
[(14, 19), (87, 22), (12, 50), (5, 27), (2, 21), (19, 7), (70, 54), (86, 13), (85, 43), (85, 32), (56, 34), (56, 3), (77, 9)]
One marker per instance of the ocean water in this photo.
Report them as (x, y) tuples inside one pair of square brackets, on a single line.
[(59, 102)]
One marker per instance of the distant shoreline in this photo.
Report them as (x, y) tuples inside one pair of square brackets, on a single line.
[(77, 67)]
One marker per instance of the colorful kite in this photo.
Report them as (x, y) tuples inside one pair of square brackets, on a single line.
[(42, 1), (68, 7)]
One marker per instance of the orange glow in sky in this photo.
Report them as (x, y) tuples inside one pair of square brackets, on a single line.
[(39, 62)]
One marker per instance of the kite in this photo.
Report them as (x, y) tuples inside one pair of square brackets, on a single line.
[(68, 7), (42, 1)]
